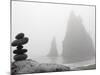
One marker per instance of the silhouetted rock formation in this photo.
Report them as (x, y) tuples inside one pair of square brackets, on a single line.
[(20, 53), (77, 44), (53, 51)]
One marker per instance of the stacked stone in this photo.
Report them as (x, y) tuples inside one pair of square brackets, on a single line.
[(18, 43)]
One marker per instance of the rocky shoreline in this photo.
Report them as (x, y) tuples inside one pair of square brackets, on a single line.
[(30, 66), (22, 65)]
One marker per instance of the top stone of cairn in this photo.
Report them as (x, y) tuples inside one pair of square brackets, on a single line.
[(20, 40), (20, 36)]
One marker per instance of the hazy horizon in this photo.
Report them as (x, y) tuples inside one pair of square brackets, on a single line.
[(42, 21)]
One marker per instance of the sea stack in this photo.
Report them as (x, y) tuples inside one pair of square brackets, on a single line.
[(77, 45), (53, 50), (18, 43)]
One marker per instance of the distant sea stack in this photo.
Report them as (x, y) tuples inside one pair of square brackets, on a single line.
[(77, 44), (53, 50)]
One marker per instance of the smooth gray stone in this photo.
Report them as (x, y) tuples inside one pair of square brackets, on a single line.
[(22, 51), (20, 36), (20, 57), (20, 42)]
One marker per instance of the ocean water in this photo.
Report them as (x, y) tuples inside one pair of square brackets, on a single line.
[(63, 61)]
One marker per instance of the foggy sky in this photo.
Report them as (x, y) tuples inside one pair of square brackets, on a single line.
[(42, 21)]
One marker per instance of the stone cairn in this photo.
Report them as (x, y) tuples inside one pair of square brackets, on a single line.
[(18, 43)]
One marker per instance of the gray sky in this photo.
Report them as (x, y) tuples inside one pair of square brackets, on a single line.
[(42, 21)]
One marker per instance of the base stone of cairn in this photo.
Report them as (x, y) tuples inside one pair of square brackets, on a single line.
[(20, 57)]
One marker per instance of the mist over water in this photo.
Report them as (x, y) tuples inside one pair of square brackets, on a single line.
[(64, 61)]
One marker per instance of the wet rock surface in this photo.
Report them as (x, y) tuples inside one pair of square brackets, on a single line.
[(30, 66)]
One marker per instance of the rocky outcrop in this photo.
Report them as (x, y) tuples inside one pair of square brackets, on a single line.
[(77, 44), (53, 50), (30, 66)]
